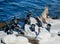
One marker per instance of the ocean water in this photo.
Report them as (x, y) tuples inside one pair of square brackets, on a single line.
[(19, 8)]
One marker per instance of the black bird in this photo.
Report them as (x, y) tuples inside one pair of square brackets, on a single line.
[(48, 27), (39, 23), (32, 28), (27, 19)]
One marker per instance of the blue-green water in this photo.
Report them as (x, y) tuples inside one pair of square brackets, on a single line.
[(19, 8)]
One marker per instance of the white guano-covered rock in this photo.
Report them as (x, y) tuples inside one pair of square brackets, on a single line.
[(9, 39), (22, 40)]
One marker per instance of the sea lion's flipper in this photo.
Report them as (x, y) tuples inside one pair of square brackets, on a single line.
[(44, 15)]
